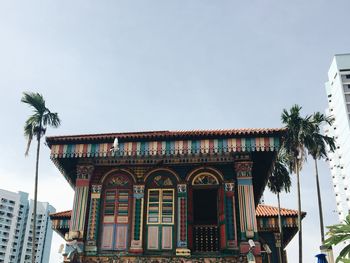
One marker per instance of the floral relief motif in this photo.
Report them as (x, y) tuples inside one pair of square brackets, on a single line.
[(118, 180), (161, 181), (205, 179)]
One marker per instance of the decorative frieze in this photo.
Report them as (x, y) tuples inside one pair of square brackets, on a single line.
[(159, 148)]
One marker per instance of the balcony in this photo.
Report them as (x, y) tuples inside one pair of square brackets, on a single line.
[(205, 238)]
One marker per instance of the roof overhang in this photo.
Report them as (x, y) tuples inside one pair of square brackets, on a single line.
[(170, 147)]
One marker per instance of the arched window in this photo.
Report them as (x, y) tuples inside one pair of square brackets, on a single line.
[(116, 214)]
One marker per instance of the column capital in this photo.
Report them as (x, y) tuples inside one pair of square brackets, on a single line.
[(181, 188), (96, 188), (84, 171), (229, 186), (243, 168), (139, 190)]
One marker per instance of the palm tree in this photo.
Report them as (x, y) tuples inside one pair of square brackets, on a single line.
[(316, 144), (278, 181), (297, 129), (337, 234), (35, 126)]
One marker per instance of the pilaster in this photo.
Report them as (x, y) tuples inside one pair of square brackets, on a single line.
[(94, 214), (230, 208), (182, 243), (137, 221)]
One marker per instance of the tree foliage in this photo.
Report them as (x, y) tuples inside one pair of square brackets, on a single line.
[(338, 234), (35, 125), (279, 179), (315, 142)]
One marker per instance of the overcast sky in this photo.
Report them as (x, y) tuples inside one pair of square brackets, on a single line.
[(113, 66)]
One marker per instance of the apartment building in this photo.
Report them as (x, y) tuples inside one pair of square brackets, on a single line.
[(16, 217)]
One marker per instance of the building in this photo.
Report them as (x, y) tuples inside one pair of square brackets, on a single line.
[(155, 196), (338, 94), (13, 218), (43, 233), (15, 228)]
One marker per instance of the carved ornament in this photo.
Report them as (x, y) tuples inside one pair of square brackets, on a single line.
[(84, 171)]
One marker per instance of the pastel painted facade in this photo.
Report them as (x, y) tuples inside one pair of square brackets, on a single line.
[(178, 196)]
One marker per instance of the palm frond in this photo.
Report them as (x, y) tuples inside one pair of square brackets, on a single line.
[(315, 142), (279, 179), (35, 125), (34, 100), (337, 234), (51, 119), (28, 132)]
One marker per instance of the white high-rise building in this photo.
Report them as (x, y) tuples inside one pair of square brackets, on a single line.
[(15, 228), (338, 93), (13, 217), (43, 233)]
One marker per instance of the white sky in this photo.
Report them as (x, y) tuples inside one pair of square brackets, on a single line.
[(112, 66)]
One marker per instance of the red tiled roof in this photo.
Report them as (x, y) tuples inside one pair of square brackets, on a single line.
[(63, 214), (164, 134), (268, 211)]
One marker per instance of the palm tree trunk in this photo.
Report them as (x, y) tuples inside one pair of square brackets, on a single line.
[(280, 254), (35, 196), (319, 203), (299, 216)]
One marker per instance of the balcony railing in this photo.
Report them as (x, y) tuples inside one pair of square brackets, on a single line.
[(205, 238)]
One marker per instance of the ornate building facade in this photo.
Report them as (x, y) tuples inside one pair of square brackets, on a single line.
[(170, 196)]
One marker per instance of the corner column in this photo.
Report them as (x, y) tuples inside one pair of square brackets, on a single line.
[(182, 249), (94, 214), (76, 230), (137, 221), (247, 216)]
